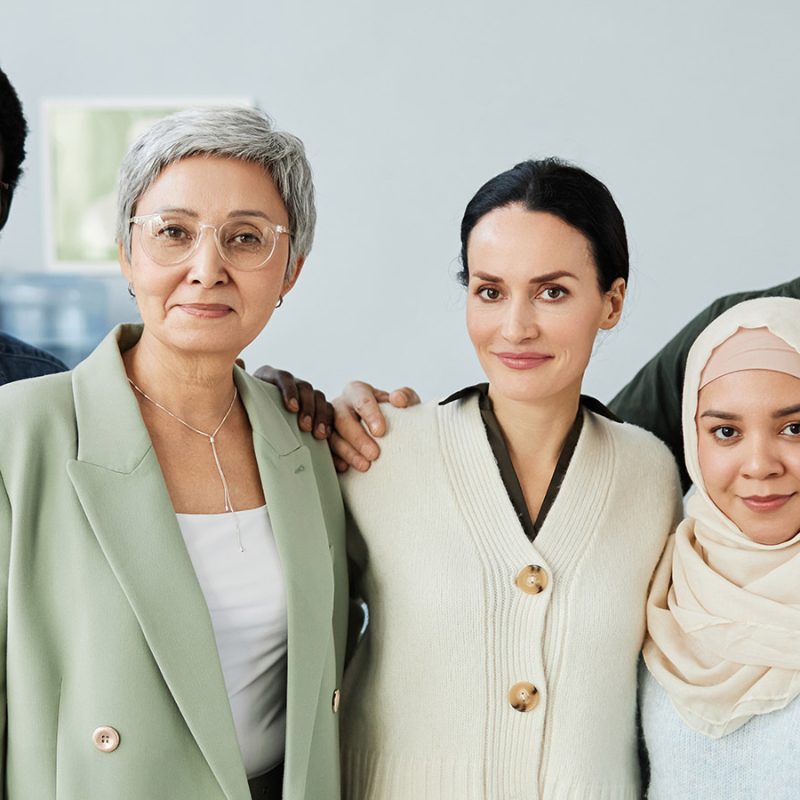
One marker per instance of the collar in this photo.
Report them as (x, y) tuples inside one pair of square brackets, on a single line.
[(482, 389)]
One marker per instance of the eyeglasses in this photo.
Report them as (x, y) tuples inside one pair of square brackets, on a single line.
[(245, 244)]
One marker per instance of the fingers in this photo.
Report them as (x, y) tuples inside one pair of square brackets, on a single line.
[(402, 398), (361, 399), (345, 455), (323, 416), (339, 465), (314, 412), (285, 382)]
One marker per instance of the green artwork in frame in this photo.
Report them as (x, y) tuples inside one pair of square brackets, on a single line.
[(85, 143)]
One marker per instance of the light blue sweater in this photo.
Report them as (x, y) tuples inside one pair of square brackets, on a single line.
[(759, 761)]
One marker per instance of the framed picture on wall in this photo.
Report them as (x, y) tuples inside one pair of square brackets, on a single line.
[(85, 141)]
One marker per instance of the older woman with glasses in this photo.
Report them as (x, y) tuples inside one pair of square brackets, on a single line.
[(171, 547)]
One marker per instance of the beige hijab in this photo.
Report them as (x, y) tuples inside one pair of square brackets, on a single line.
[(723, 614)]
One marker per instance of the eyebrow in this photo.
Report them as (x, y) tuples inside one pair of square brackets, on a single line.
[(720, 415), (248, 212), (548, 276), (781, 412), (176, 210), (239, 212)]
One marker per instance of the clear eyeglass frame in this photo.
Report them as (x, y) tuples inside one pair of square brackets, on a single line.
[(150, 220)]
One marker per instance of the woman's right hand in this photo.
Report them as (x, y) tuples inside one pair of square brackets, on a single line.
[(357, 418)]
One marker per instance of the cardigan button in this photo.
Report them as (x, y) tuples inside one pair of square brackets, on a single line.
[(523, 696), (532, 579), (106, 739), (337, 698)]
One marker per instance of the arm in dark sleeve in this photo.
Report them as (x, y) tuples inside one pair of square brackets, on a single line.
[(356, 563), (652, 399)]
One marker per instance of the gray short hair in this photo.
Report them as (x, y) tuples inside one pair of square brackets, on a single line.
[(244, 133)]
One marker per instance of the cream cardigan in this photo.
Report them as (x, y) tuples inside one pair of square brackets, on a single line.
[(437, 549)]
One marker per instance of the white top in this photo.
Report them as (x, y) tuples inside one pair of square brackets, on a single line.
[(246, 597), (759, 760), (438, 549)]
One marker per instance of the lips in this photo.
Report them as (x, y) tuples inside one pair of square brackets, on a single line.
[(766, 502), (528, 360), (206, 310)]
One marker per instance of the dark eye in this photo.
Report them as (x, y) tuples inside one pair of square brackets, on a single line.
[(243, 237), (553, 293), (725, 433), (792, 429), (171, 232), (246, 239), (488, 293)]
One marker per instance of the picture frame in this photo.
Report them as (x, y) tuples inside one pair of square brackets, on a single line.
[(84, 142)]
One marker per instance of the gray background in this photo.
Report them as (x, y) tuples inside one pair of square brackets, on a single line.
[(687, 110)]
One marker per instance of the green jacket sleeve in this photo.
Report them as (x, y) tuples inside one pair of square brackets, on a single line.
[(5, 548), (652, 399)]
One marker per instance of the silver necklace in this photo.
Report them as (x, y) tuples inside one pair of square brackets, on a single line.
[(212, 438)]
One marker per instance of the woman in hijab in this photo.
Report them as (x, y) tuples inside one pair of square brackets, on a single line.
[(723, 651)]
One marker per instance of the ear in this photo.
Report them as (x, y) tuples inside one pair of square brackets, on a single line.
[(289, 283), (613, 301), (124, 264)]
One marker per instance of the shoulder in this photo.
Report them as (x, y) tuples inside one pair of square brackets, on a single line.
[(788, 289), (264, 391), (19, 360), (636, 446), (37, 418), (409, 445), (278, 426), (421, 418), (35, 396), (685, 338)]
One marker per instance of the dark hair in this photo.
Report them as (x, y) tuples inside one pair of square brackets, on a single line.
[(569, 193), (13, 130)]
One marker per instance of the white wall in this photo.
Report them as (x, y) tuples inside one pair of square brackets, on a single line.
[(687, 110)]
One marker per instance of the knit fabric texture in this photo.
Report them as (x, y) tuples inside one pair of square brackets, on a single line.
[(759, 761), (436, 549)]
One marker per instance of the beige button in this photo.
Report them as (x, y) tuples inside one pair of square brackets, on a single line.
[(106, 739), (532, 579), (523, 696), (337, 697)]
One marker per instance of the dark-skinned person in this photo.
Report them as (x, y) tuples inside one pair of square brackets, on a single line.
[(18, 359)]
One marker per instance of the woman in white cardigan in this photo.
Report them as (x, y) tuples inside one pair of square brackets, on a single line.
[(719, 706), (505, 539)]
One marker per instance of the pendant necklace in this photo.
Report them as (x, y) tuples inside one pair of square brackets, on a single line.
[(213, 441)]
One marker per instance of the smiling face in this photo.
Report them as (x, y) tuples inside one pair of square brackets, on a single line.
[(534, 305), (204, 305), (748, 430)]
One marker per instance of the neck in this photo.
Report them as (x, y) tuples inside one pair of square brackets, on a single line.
[(196, 388), (546, 422)]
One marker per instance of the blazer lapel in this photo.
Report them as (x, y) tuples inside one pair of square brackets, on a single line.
[(119, 484), (298, 523)]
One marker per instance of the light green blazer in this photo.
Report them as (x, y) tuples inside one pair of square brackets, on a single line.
[(103, 621)]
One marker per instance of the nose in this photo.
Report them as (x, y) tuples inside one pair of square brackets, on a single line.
[(206, 265), (519, 321), (762, 459)]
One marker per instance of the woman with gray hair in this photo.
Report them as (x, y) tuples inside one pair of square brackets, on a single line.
[(173, 599)]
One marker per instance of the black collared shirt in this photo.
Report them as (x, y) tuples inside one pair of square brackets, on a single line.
[(507, 472)]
